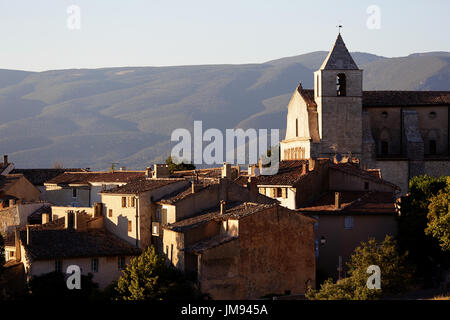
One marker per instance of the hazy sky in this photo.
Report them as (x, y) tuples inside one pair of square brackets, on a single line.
[(114, 33)]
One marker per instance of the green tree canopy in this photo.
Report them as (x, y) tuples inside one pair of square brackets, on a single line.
[(424, 250), (395, 274), (178, 167), (148, 277), (439, 217)]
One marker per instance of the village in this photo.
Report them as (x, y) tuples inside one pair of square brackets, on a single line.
[(240, 234)]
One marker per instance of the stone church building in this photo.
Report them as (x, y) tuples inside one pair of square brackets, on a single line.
[(403, 133)]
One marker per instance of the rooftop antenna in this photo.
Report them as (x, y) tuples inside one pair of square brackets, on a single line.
[(339, 26)]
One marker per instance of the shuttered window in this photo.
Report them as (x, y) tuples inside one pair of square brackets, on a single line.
[(124, 202)]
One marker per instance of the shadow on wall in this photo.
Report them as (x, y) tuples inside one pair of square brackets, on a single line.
[(121, 229)]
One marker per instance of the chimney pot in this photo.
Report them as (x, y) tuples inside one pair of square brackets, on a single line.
[(5, 159), (45, 218), (337, 200)]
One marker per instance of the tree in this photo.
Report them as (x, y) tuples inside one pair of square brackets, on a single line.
[(439, 217), (178, 167), (148, 277), (424, 250), (395, 274)]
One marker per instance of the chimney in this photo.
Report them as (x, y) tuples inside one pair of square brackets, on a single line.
[(5, 160), (160, 171), (337, 200), (251, 170), (311, 164), (195, 186), (253, 188), (305, 167), (98, 207), (68, 220), (148, 172), (45, 218), (12, 202), (28, 235), (222, 207), (226, 170), (123, 168)]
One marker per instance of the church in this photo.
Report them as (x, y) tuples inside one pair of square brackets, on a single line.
[(402, 133)]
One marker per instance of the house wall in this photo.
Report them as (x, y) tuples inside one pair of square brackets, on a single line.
[(274, 255), (341, 181), (342, 242), (63, 196), (108, 270), (17, 215)]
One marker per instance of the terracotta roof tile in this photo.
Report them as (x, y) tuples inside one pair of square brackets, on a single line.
[(142, 184), (87, 177), (39, 176)]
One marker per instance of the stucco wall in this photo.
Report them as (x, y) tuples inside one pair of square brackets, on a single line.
[(63, 196)]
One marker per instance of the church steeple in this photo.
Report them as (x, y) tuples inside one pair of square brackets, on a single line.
[(339, 58)]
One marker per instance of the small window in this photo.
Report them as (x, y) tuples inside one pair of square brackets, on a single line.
[(94, 265), (124, 202), (341, 87), (384, 147), (279, 192), (432, 145), (74, 193), (121, 263), (284, 193), (132, 202), (11, 254), (384, 114), (110, 213), (58, 266), (130, 228), (432, 115), (296, 127), (366, 185), (348, 223)]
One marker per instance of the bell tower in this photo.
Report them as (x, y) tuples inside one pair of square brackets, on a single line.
[(338, 95)]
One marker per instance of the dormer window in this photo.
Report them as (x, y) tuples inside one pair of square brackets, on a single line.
[(341, 85)]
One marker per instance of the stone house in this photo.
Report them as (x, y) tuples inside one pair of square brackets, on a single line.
[(76, 239), (82, 189), (128, 209), (403, 133), (244, 250)]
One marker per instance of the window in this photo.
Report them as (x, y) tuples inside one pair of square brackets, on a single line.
[(94, 265), (74, 193), (110, 213), (384, 114), (132, 202), (341, 85), (284, 193), (130, 228), (296, 127), (366, 185), (11, 254), (124, 202), (432, 145), (121, 263), (384, 147), (58, 266), (348, 223), (432, 115), (279, 192)]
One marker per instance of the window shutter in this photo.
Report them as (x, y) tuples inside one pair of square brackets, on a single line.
[(284, 193), (124, 202)]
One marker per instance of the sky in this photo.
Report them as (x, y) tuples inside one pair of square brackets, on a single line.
[(64, 34)]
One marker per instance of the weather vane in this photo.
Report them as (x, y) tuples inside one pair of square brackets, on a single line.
[(339, 27)]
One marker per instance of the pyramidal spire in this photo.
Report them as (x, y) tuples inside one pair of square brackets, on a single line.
[(339, 58)]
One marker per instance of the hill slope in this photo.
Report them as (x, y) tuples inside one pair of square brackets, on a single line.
[(93, 117)]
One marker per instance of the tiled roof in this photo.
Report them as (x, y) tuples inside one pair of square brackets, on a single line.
[(353, 202), (354, 169), (88, 177), (183, 193), (289, 172), (142, 184), (36, 216), (392, 98), (234, 210), (39, 176), (213, 242), (405, 98), (6, 181), (53, 242)]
